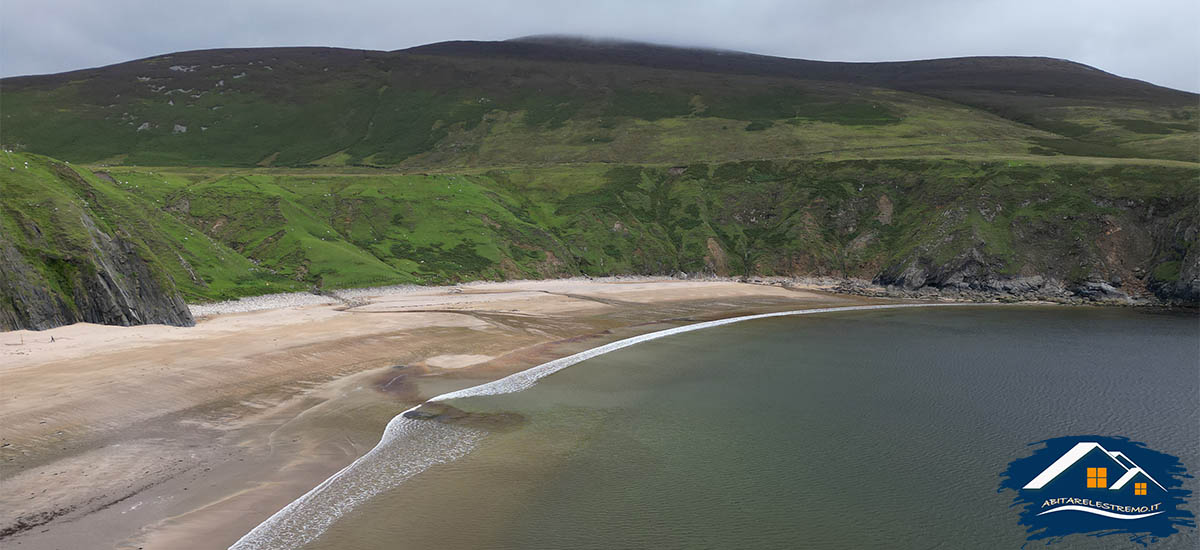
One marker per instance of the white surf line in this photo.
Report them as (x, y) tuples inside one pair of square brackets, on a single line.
[(528, 377), (279, 531)]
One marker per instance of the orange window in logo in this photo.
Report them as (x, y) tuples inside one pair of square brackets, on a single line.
[(1097, 478), (1139, 488)]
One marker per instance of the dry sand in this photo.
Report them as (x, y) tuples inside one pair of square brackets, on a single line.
[(166, 437)]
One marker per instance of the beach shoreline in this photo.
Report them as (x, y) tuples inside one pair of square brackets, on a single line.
[(324, 504), (166, 437)]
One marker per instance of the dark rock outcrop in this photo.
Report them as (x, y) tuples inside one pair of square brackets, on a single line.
[(111, 284), (59, 266), (1183, 291)]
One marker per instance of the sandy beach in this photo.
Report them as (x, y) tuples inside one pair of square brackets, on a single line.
[(166, 437)]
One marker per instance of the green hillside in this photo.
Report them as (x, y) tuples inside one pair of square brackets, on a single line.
[(220, 235), (537, 102), (217, 174)]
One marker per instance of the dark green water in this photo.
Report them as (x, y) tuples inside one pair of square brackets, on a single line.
[(881, 429)]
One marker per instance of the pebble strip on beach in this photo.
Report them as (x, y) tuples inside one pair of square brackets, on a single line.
[(355, 295)]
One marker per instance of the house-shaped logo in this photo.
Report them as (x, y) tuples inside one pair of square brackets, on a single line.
[(1088, 465), (1099, 486)]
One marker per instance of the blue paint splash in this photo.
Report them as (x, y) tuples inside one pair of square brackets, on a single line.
[(1167, 470)]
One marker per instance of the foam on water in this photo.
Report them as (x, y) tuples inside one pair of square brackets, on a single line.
[(408, 447)]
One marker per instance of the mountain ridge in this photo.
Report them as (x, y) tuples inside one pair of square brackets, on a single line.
[(604, 46), (453, 102), (282, 169)]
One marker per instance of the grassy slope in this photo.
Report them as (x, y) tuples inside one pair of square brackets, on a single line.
[(430, 109), (41, 210), (431, 166), (255, 231)]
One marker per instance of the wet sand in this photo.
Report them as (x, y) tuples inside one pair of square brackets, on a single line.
[(165, 437)]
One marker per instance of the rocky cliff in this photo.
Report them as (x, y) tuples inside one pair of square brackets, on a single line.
[(59, 265), (128, 245)]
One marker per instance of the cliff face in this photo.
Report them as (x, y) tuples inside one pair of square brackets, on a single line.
[(66, 267), (986, 230), (1124, 243), (985, 177), (112, 285), (123, 247)]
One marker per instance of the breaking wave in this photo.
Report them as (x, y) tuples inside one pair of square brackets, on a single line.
[(410, 446)]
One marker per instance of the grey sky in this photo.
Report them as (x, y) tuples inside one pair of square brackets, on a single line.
[(1153, 40)]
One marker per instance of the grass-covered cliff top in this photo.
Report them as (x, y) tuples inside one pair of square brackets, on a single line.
[(226, 233), (227, 173)]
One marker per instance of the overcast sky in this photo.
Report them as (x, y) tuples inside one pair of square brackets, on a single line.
[(1153, 40)]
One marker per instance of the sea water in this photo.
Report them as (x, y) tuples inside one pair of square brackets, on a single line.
[(857, 429)]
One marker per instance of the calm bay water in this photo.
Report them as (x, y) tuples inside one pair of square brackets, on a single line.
[(881, 429)]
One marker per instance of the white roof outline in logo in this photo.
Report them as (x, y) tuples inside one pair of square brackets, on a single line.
[(1077, 452)]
